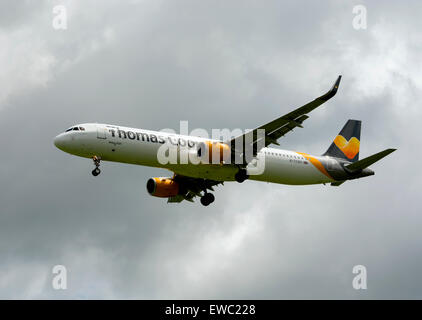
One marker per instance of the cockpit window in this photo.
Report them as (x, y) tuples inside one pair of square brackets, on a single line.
[(75, 129)]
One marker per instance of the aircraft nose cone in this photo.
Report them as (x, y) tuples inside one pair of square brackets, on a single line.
[(59, 141)]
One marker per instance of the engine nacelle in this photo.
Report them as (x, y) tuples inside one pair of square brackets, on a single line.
[(213, 152), (162, 187)]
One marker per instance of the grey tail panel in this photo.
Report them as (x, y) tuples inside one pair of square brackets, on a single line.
[(346, 144), (364, 163)]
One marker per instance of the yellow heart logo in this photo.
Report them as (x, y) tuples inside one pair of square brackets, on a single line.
[(349, 148)]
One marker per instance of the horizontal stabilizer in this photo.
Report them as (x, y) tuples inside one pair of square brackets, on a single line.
[(364, 163)]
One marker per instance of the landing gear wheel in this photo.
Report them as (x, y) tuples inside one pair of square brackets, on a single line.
[(241, 175), (96, 172), (207, 199), (210, 197), (204, 201)]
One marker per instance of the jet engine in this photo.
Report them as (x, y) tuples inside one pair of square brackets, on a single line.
[(163, 187), (213, 152)]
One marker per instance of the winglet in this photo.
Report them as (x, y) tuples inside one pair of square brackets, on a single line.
[(332, 92)]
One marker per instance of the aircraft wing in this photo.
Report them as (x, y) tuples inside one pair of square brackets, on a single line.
[(192, 187), (279, 127)]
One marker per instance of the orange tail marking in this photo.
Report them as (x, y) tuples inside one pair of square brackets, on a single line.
[(317, 164), (349, 148)]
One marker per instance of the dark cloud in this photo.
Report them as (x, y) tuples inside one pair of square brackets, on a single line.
[(216, 64)]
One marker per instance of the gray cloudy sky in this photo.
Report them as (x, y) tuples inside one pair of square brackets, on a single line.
[(217, 64)]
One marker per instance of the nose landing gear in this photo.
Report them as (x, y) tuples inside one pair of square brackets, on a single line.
[(97, 170)]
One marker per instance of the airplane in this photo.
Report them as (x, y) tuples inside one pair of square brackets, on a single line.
[(340, 163)]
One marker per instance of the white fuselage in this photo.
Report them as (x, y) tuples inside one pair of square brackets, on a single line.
[(141, 147)]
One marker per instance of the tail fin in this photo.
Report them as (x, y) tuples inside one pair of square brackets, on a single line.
[(346, 144)]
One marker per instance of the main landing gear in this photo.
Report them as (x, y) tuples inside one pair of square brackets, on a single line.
[(97, 170), (207, 199), (241, 175)]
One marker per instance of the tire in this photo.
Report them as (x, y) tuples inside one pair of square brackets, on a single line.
[(204, 201), (96, 172), (210, 197), (241, 176), (207, 199)]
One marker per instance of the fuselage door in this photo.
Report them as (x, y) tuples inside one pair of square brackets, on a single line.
[(101, 132)]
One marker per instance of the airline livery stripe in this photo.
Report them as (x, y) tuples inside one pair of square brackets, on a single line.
[(317, 164)]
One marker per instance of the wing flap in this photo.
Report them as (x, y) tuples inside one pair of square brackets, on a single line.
[(192, 187)]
